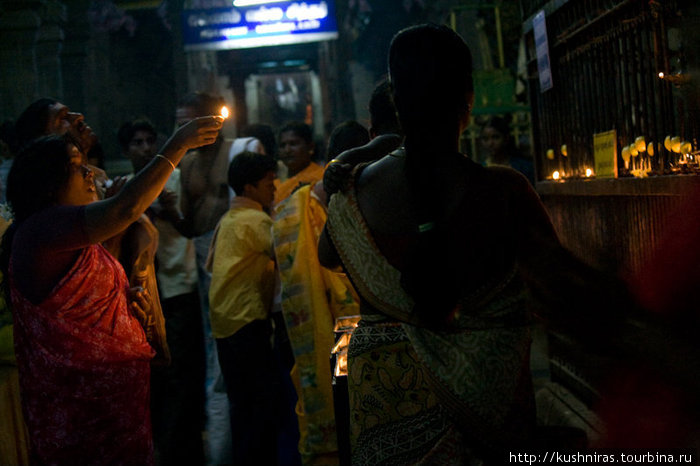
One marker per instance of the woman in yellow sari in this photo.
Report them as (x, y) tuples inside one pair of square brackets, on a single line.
[(312, 297)]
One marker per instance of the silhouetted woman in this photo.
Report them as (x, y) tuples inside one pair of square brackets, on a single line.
[(440, 250)]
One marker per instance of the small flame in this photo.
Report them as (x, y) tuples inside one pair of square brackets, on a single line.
[(661, 74), (224, 111), (341, 365), (555, 175), (589, 172)]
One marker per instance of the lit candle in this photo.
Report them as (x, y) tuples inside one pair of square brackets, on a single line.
[(555, 175), (626, 156), (224, 112), (633, 153), (676, 144), (589, 172), (667, 143)]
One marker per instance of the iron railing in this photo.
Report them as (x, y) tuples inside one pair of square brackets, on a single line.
[(606, 57)]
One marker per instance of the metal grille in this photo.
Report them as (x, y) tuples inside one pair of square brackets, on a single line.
[(605, 57)]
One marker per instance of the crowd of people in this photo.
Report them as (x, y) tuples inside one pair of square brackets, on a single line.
[(231, 260)]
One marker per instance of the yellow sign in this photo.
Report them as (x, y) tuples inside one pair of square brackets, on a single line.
[(605, 154)]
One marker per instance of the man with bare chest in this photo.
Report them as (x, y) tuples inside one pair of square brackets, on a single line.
[(204, 199), (206, 194)]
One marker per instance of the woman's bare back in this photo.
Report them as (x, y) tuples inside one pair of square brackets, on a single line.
[(482, 226)]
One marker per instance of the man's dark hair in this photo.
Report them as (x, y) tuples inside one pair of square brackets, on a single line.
[(32, 122), (345, 136), (500, 124), (128, 130), (299, 128), (249, 168), (203, 104), (264, 134), (382, 113)]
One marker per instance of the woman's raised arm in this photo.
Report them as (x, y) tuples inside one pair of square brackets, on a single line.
[(104, 219)]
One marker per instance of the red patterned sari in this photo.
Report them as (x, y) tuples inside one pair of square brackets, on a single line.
[(84, 368)]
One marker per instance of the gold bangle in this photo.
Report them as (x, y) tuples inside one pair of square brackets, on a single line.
[(332, 162), (167, 160)]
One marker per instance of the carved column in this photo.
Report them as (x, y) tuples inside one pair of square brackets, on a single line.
[(202, 67), (48, 50), (31, 37), (19, 28), (74, 56)]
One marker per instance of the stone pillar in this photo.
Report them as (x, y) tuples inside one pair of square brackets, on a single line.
[(174, 14), (18, 80), (202, 72), (48, 50), (334, 72), (31, 37), (74, 56), (239, 89)]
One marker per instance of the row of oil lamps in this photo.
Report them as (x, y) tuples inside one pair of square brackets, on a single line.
[(673, 144), (559, 175)]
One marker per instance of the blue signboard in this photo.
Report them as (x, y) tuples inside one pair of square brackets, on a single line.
[(542, 50), (271, 23)]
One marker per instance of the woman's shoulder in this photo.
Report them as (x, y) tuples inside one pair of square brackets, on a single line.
[(52, 229), (381, 183), (53, 218), (507, 177), (384, 168)]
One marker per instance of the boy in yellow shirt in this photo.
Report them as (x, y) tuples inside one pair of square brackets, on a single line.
[(240, 297)]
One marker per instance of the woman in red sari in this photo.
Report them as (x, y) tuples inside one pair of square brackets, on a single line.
[(82, 355)]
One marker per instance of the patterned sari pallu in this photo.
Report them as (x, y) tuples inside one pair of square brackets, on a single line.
[(312, 297), (422, 396), (84, 368)]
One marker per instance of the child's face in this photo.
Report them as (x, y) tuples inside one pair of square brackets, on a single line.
[(264, 190)]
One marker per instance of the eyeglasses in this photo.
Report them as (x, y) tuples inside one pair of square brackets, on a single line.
[(85, 170)]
